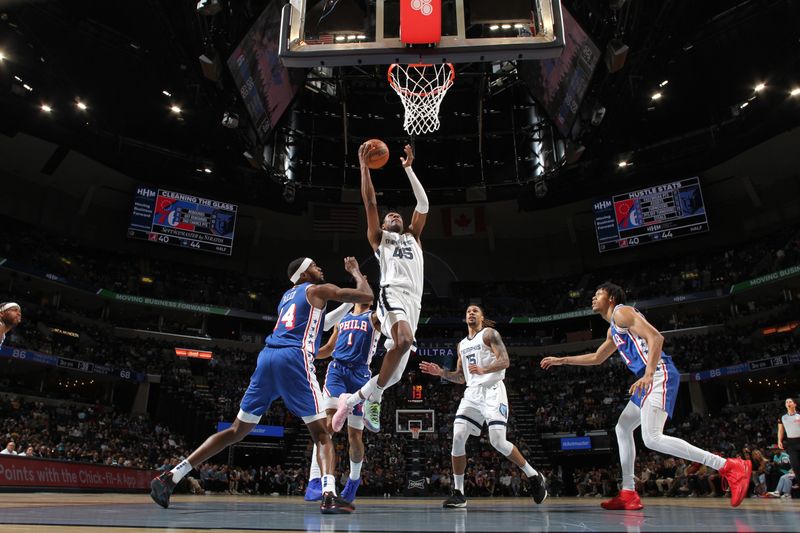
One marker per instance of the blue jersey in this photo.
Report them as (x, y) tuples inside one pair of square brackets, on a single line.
[(634, 349), (357, 340), (299, 323)]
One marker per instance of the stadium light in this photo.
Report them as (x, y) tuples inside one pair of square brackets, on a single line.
[(166, 93), (760, 87), (656, 96), (46, 108), (663, 83), (176, 109), (494, 27), (81, 105), (2, 56), (623, 164), (795, 91)]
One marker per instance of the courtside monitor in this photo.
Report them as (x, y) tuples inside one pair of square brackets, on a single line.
[(357, 32)]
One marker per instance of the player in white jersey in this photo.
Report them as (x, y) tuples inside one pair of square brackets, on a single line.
[(10, 317), (482, 363), (400, 257)]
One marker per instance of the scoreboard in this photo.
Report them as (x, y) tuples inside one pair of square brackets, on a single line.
[(658, 213), (184, 220)]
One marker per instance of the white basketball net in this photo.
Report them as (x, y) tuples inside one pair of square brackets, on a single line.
[(422, 88)]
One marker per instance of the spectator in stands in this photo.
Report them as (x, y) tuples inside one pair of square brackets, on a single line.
[(10, 449)]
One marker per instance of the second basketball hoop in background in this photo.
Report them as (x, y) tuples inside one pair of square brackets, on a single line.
[(378, 156)]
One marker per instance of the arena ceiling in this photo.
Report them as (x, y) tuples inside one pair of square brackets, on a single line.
[(128, 62)]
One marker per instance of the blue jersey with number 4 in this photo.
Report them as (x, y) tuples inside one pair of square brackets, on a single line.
[(357, 340), (299, 323)]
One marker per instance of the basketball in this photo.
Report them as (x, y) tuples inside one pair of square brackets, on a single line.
[(378, 155)]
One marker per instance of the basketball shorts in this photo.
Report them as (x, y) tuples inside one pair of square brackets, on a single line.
[(395, 305), (286, 373), (663, 391), (343, 378), (482, 403)]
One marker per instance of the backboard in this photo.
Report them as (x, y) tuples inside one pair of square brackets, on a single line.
[(368, 32), (405, 419)]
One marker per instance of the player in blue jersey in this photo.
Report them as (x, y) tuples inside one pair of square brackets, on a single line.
[(10, 317), (285, 369), (352, 344), (652, 397)]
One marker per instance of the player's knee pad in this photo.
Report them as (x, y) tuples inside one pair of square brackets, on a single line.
[(497, 436), (460, 436)]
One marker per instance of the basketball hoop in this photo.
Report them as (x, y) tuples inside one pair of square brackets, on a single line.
[(421, 87), (415, 432)]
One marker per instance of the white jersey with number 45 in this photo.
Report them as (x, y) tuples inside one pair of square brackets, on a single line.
[(475, 352), (401, 261)]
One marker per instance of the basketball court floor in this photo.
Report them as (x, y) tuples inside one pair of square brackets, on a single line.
[(73, 513)]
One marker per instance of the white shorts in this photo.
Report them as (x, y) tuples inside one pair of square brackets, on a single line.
[(483, 404), (395, 305)]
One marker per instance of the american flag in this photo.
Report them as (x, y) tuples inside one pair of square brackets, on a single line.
[(329, 219)]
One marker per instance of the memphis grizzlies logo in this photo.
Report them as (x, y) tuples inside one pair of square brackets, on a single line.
[(503, 410)]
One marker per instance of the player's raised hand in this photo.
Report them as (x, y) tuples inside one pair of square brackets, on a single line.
[(547, 362), (409, 158), (363, 151), (351, 266), (430, 368)]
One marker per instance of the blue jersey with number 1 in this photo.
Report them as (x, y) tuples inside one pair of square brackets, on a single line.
[(357, 340), (299, 323)]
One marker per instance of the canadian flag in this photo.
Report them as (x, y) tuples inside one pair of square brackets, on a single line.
[(463, 221)]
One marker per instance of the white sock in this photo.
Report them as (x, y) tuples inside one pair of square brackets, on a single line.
[(528, 469), (181, 470), (329, 484), (315, 472), (377, 394), (458, 482), (355, 470), (356, 398)]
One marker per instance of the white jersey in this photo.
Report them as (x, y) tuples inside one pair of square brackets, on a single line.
[(402, 264), (475, 351)]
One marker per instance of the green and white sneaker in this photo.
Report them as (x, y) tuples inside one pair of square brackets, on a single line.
[(372, 416)]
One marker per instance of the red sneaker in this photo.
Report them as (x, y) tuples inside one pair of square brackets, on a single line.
[(737, 473), (626, 500)]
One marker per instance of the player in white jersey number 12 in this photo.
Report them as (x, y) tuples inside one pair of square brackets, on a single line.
[(399, 254), (482, 363)]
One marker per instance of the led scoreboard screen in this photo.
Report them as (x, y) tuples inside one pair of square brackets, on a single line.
[(648, 215), (183, 220)]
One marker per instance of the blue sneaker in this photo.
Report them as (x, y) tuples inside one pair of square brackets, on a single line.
[(350, 489), (314, 490)]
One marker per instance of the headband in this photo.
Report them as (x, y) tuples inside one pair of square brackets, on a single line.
[(9, 305), (302, 268)]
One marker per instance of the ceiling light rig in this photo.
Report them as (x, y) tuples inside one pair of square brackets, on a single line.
[(760, 87), (175, 109), (46, 108)]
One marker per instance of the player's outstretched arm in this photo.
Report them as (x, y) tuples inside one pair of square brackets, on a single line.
[(603, 352), (327, 350), (420, 215), (492, 339), (456, 376), (374, 232), (362, 294)]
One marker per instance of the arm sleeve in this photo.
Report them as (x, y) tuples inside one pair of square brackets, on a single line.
[(333, 318), (419, 191)]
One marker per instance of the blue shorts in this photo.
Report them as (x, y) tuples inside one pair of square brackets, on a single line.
[(664, 391), (342, 378), (286, 373)]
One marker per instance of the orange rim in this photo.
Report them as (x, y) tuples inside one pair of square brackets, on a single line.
[(439, 89)]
